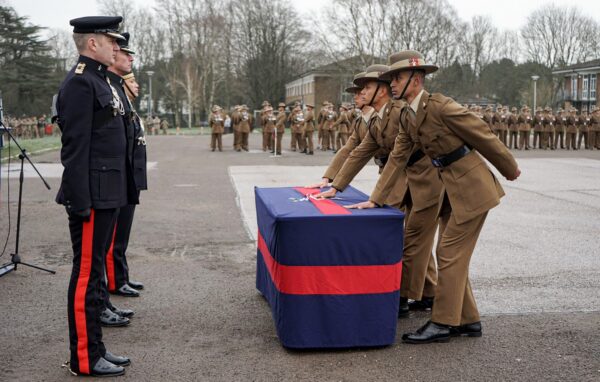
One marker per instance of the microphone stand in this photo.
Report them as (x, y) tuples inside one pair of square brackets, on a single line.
[(15, 259)]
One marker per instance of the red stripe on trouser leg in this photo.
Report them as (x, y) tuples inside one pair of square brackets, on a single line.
[(110, 263), (85, 269)]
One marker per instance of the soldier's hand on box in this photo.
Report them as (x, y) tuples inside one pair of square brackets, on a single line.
[(515, 176), (362, 205), (323, 183), (326, 194)]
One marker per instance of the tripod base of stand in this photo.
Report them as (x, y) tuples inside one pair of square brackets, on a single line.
[(16, 260), (6, 268)]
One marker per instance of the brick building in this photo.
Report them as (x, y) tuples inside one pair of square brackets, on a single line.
[(580, 86)]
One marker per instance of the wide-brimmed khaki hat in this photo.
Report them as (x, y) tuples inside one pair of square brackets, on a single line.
[(281, 104), (372, 73), (216, 108), (310, 105), (244, 107), (514, 108), (407, 60)]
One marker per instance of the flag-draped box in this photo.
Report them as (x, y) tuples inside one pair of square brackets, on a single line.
[(331, 275)]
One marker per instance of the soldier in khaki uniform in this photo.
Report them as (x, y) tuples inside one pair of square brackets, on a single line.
[(280, 127), (268, 122), (341, 127), (416, 191), (584, 131), (330, 116), (559, 129), (513, 129), (296, 119), (235, 124), (216, 121), (309, 128), (265, 135), (525, 122), (595, 129), (571, 130), (455, 140), (538, 128), (501, 119), (245, 125), (320, 123), (549, 123)]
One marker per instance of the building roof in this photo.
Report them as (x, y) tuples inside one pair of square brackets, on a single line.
[(589, 65)]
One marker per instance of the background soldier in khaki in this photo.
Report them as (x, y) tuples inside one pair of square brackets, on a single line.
[(268, 123), (309, 128), (571, 138), (156, 124), (513, 128), (297, 121), (245, 124), (525, 121), (584, 131), (164, 126), (320, 123), (560, 128), (262, 119), (216, 121), (470, 191), (341, 126), (280, 126), (548, 136), (595, 129), (538, 128), (501, 119), (328, 128)]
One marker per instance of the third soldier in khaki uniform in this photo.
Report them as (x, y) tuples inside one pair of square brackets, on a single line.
[(216, 121), (309, 128)]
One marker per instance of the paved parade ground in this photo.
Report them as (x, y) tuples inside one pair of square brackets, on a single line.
[(535, 274)]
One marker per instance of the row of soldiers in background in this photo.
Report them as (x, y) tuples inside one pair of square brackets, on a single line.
[(242, 121), (154, 124), (565, 129), (31, 127)]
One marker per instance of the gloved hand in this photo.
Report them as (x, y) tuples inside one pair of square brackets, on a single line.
[(81, 214)]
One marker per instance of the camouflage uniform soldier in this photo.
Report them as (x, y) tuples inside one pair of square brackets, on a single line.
[(216, 121)]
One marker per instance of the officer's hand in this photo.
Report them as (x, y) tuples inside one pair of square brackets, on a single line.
[(81, 214), (327, 194), (362, 206), (323, 183), (515, 176)]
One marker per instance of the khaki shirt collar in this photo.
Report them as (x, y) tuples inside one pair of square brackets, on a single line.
[(367, 116)]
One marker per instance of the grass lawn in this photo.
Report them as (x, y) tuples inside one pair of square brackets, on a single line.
[(32, 146)]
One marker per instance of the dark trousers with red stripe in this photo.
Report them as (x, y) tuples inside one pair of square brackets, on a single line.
[(89, 240), (117, 270)]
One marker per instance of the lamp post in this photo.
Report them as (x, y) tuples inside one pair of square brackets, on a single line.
[(535, 78), (150, 73)]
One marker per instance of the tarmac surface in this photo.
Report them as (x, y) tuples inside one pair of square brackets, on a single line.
[(535, 275)]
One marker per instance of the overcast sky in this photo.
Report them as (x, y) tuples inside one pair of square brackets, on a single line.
[(506, 14)]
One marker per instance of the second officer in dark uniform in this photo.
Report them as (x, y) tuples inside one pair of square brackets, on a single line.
[(97, 181)]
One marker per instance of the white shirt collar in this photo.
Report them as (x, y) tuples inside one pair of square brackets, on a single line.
[(415, 102), (367, 116)]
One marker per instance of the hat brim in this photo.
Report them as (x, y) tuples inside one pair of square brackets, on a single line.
[(353, 89), (115, 35), (127, 50), (428, 69), (362, 82)]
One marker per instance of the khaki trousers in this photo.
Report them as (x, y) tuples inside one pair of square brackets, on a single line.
[(266, 142), (236, 140), (297, 140), (308, 141), (524, 140), (559, 136), (454, 303), (216, 140), (570, 141), (244, 140), (419, 272), (514, 140)]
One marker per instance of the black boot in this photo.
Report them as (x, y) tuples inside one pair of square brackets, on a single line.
[(403, 309)]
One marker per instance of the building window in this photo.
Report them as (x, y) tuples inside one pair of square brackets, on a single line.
[(593, 86), (585, 88), (574, 88)]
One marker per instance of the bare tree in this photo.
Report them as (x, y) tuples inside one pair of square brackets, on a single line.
[(477, 43), (62, 48), (559, 36)]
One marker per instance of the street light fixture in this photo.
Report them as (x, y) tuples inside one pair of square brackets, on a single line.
[(150, 73), (535, 78)]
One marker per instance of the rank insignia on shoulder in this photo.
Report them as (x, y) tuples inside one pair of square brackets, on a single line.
[(80, 68)]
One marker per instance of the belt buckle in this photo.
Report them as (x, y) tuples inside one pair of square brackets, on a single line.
[(436, 163)]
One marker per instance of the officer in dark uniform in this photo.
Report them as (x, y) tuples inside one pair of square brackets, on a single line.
[(117, 271), (96, 182)]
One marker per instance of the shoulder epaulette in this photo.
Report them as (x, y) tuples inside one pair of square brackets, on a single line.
[(80, 68)]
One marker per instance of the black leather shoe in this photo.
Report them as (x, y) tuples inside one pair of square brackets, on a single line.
[(116, 359), (110, 319), (127, 291), (426, 303), (467, 330), (103, 368), (310, 153), (135, 284), (122, 312), (428, 333), (403, 310)]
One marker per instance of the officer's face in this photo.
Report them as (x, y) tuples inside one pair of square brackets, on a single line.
[(133, 86), (123, 62), (106, 49)]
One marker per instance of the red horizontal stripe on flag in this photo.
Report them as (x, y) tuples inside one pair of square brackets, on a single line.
[(326, 206), (331, 279)]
